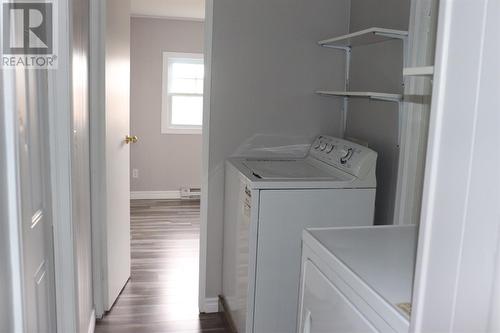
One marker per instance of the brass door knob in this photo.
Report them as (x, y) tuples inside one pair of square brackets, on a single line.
[(131, 139)]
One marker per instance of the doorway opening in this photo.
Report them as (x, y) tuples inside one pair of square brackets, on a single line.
[(164, 140), (166, 114)]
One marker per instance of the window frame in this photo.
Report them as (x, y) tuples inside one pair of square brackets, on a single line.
[(166, 110)]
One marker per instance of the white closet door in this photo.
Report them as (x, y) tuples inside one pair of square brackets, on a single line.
[(36, 229)]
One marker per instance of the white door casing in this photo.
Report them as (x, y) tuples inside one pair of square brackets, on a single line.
[(458, 255), (60, 166), (204, 304)]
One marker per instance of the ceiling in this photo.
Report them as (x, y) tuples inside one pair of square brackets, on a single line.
[(184, 9)]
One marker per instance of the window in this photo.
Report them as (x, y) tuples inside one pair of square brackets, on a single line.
[(182, 106)]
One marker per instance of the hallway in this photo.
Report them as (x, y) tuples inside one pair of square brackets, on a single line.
[(162, 294)]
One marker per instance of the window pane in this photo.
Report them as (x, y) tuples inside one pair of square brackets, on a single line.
[(186, 77), (187, 110), (186, 86), (187, 71)]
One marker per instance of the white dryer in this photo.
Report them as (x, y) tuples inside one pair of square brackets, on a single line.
[(267, 205), (357, 279)]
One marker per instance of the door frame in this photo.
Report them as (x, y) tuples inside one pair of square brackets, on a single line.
[(457, 279), (59, 82), (98, 162), (205, 304), (98, 156)]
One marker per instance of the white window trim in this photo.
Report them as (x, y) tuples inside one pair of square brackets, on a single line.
[(166, 115)]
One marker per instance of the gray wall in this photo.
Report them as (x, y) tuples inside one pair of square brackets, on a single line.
[(165, 161), (265, 66), (378, 67), (80, 181)]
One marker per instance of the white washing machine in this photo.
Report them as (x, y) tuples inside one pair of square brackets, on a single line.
[(267, 205), (357, 279)]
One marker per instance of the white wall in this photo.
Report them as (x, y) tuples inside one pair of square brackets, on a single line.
[(166, 162), (265, 66)]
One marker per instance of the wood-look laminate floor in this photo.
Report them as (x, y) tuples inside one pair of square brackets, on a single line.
[(162, 294)]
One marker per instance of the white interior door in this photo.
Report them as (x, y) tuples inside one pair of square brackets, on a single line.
[(36, 222), (117, 106)]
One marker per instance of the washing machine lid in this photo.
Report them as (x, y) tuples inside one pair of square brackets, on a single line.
[(300, 169)]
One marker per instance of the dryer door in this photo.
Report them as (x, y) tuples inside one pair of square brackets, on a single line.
[(325, 309)]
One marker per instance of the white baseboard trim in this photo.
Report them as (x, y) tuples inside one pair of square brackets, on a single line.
[(155, 195), (211, 305), (92, 322)]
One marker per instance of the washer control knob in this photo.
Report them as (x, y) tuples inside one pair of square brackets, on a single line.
[(322, 146), (329, 148), (346, 155)]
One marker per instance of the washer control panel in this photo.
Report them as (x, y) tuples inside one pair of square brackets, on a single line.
[(350, 157)]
